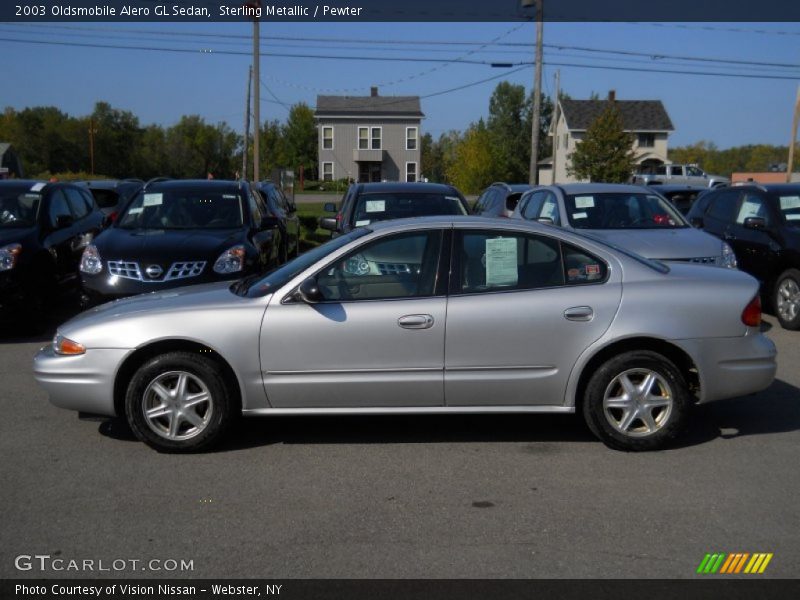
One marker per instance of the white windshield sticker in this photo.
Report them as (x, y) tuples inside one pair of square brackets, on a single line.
[(793, 217), (153, 200), (37, 187), (580, 215), (790, 202), (584, 202), (548, 211), (376, 205), (501, 261), (362, 223), (229, 196), (135, 211)]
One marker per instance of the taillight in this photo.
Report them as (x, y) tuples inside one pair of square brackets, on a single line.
[(112, 217), (751, 315)]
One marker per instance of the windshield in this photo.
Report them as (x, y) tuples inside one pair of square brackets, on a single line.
[(790, 207), (622, 210), (383, 207), (183, 208), (18, 206), (261, 285)]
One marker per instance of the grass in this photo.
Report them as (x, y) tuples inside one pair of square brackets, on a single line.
[(309, 213)]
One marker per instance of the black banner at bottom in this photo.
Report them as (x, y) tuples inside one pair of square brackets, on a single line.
[(400, 589)]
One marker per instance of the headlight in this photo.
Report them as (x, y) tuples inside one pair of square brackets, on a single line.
[(62, 345), (230, 261), (90, 260), (8, 256), (728, 257)]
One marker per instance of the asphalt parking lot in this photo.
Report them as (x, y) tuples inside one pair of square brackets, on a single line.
[(423, 497)]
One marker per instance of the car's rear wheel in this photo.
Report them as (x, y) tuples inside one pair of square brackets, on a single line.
[(636, 401), (179, 402), (787, 299)]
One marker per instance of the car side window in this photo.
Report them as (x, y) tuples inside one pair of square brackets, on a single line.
[(58, 207), (255, 202), (534, 204), (77, 202), (723, 206), (753, 205), (397, 266), (494, 261), (580, 267), (550, 209)]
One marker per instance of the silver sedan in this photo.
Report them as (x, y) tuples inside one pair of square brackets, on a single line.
[(434, 315)]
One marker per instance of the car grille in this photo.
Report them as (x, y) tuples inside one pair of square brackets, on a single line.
[(394, 268), (703, 260), (178, 270)]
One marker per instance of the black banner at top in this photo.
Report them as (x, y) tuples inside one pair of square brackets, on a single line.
[(397, 10)]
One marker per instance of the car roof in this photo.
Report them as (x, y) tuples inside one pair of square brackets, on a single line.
[(599, 188), (677, 187), (513, 187), (219, 184), (406, 187)]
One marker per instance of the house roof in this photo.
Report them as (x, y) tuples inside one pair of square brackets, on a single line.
[(334, 106), (637, 115)]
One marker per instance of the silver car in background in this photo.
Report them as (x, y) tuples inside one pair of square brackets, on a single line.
[(538, 320), (630, 216)]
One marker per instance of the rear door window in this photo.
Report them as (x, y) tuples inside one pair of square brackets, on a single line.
[(723, 207)]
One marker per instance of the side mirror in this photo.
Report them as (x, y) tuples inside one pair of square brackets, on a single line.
[(757, 223), (696, 222), (329, 207), (63, 221), (328, 223), (308, 292)]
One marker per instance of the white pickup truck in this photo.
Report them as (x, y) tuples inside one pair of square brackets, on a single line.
[(679, 174)]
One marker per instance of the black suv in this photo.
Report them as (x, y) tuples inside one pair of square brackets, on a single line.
[(762, 225), (284, 212), (499, 199), (182, 232), (366, 203), (44, 228), (112, 194)]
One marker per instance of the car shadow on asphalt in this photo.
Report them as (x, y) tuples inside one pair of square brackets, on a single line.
[(776, 410), (24, 332)]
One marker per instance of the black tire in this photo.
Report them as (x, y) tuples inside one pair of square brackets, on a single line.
[(199, 426), (666, 422), (788, 312)]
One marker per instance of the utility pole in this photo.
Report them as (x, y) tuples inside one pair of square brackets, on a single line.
[(554, 124), (246, 123), (92, 131), (795, 119), (256, 96), (533, 176)]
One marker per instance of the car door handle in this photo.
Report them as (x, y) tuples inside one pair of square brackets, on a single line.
[(579, 313), (415, 322)]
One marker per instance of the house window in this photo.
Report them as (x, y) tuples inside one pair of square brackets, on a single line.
[(411, 171), (411, 138), (647, 140), (375, 138), (566, 140), (327, 171), (363, 138), (327, 138)]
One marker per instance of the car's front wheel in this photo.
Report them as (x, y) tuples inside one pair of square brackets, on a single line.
[(787, 299), (179, 402), (636, 401)]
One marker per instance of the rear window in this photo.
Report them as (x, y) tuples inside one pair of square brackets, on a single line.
[(371, 208), (622, 210), (105, 198)]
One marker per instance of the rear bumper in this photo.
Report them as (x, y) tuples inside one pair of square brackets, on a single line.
[(731, 367), (84, 383)]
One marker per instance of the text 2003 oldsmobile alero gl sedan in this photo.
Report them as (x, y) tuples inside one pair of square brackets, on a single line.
[(434, 315)]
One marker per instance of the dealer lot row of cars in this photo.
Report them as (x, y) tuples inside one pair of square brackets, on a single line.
[(446, 313)]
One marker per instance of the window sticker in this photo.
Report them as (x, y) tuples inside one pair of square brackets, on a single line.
[(592, 271), (548, 211), (580, 215), (362, 223), (153, 200), (37, 187), (793, 217), (135, 211), (573, 274), (229, 196), (376, 206), (748, 209), (790, 202), (584, 202), (501, 262)]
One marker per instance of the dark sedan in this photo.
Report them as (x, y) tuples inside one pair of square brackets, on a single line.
[(44, 228), (500, 199), (182, 232)]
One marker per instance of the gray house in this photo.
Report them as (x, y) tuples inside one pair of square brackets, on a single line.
[(369, 138)]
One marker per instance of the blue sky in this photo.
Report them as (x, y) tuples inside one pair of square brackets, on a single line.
[(161, 86)]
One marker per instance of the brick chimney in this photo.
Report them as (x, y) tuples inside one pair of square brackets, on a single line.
[(612, 95), (373, 91)]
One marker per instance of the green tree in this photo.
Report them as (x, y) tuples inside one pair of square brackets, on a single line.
[(300, 139), (116, 137), (473, 167), (606, 153), (509, 125)]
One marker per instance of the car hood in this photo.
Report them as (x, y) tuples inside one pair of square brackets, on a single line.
[(165, 245), (663, 244)]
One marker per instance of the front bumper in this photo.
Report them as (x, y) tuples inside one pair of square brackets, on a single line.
[(731, 367), (84, 383)]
